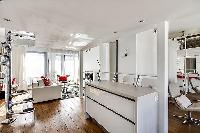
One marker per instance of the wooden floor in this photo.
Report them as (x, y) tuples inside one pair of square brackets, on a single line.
[(67, 116), (175, 124), (63, 116)]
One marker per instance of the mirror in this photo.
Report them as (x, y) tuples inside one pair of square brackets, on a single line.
[(188, 60)]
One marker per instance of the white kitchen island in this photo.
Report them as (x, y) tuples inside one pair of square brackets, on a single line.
[(122, 108)]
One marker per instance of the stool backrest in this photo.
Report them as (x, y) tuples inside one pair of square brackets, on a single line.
[(174, 90)]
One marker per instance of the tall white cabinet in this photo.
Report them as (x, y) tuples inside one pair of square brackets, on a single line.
[(121, 108)]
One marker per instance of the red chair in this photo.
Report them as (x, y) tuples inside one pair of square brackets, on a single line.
[(62, 78)]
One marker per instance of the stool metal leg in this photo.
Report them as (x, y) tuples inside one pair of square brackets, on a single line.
[(188, 119)]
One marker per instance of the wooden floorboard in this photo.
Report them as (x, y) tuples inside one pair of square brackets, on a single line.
[(67, 116), (63, 116)]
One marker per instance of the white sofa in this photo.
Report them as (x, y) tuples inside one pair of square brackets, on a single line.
[(46, 93)]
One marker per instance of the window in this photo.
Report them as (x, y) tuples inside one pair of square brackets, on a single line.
[(71, 65), (58, 65), (35, 65)]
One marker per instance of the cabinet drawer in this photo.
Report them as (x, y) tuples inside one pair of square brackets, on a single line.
[(121, 105), (110, 121)]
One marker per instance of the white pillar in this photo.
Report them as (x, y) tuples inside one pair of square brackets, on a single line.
[(62, 64), (52, 59), (162, 66), (173, 47), (2, 34), (81, 73)]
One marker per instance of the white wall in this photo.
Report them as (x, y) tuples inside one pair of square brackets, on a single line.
[(2, 34), (127, 64), (90, 59), (146, 52), (104, 55), (142, 55)]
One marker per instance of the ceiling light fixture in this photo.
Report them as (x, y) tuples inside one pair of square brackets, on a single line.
[(141, 21), (155, 31), (80, 40), (24, 35), (82, 36), (78, 35), (70, 47), (80, 44)]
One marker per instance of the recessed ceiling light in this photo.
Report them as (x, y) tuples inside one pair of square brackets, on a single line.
[(70, 43), (141, 21)]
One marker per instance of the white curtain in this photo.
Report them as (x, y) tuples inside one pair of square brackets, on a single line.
[(71, 65), (18, 66)]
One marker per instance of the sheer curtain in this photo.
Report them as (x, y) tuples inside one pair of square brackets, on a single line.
[(58, 65), (35, 65), (18, 66), (71, 65)]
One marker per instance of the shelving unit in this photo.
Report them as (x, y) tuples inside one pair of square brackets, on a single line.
[(16, 102)]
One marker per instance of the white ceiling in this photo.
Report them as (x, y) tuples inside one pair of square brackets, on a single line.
[(189, 24), (53, 21)]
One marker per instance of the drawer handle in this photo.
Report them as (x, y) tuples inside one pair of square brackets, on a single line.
[(112, 111)]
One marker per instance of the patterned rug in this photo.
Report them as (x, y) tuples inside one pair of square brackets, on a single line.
[(70, 91)]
